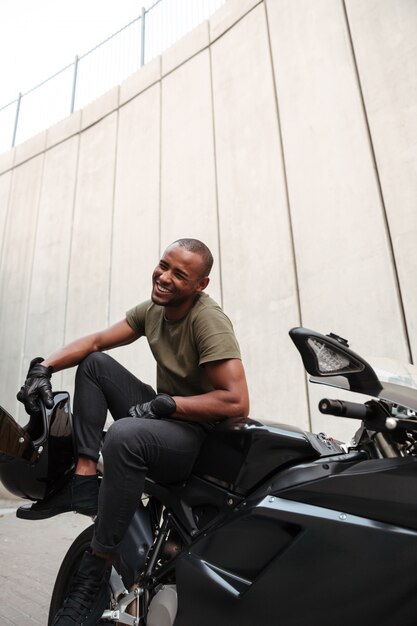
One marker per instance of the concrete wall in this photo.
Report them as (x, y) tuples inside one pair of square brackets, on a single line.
[(283, 134)]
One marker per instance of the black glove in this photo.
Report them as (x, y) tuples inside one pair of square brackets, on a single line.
[(37, 387), (161, 406)]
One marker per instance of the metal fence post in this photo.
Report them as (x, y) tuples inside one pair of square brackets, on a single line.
[(74, 83), (142, 37), (16, 119), (146, 52)]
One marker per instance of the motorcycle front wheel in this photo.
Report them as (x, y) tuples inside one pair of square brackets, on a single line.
[(72, 559), (69, 567)]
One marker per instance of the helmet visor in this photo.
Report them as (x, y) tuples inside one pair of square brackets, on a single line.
[(14, 441)]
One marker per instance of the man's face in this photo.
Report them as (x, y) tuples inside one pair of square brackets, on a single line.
[(177, 278)]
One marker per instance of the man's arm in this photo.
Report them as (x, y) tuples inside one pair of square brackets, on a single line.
[(230, 397), (119, 334)]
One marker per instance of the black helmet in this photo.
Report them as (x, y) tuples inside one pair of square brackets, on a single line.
[(36, 459)]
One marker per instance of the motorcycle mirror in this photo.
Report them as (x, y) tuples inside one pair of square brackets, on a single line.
[(329, 355)]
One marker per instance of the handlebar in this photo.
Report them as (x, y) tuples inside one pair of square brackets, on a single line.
[(373, 415), (342, 408)]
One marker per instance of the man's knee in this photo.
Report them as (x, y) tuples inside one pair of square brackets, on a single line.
[(120, 434), (122, 442), (94, 363), (129, 436)]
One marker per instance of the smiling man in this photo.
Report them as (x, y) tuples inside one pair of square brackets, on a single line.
[(200, 380)]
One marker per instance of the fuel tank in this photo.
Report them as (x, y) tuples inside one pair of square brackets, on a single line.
[(240, 454)]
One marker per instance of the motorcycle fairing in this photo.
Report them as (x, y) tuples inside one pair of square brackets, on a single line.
[(135, 545), (347, 556), (381, 489), (245, 568)]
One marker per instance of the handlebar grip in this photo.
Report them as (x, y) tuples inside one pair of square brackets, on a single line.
[(341, 408)]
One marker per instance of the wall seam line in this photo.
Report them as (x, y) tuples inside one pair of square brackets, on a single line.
[(379, 186), (29, 292), (70, 251), (160, 172), (239, 19), (287, 194), (111, 247), (216, 182), (6, 220), (3, 242)]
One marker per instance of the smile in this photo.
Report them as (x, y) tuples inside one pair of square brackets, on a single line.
[(162, 289)]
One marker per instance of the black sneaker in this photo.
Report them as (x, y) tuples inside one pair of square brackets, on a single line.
[(80, 494), (89, 594)]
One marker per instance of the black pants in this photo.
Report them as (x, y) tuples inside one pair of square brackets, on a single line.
[(165, 449)]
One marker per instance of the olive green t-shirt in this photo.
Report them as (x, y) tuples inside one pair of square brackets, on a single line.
[(182, 348)]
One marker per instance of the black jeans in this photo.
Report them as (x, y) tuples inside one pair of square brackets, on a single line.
[(164, 449)]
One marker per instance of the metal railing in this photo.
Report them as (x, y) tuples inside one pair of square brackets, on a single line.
[(102, 67)]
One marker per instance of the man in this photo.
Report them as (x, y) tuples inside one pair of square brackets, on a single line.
[(200, 380)]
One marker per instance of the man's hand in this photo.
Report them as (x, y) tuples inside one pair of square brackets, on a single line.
[(37, 387), (161, 406)]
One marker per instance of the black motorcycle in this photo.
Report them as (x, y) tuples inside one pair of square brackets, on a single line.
[(275, 526)]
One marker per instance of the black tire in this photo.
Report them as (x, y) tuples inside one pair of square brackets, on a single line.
[(68, 568), (71, 562)]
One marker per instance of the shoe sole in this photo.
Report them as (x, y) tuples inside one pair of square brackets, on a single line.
[(38, 515)]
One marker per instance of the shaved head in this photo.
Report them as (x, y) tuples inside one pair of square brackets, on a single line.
[(198, 247)]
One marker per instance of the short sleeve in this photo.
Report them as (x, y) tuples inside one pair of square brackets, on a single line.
[(136, 317), (214, 336)]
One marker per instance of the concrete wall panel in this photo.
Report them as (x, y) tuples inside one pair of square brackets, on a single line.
[(188, 185), (136, 218), (99, 108), (48, 293), (185, 48), (5, 182), (63, 130), (337, 214), (89, 273), (30, 148), (227, 16), (346, 277), (385, 44), (256, 251), (144, 78), (16, 275), (7, 160)]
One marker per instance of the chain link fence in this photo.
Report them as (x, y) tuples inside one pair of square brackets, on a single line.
[(109, 63)]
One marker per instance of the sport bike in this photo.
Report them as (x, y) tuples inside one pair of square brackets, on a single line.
[(275, 526)]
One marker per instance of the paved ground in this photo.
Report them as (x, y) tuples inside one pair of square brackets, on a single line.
[(30, 556)]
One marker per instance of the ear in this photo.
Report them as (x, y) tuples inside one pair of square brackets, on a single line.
[(203, 283)]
